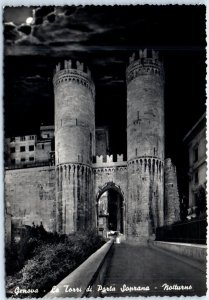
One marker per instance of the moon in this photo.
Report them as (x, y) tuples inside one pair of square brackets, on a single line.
[(29, 20)]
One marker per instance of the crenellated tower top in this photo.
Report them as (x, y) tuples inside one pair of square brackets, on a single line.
[(76, 72), (143, 63)]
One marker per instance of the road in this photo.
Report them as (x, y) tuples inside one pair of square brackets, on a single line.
[(158, 273)]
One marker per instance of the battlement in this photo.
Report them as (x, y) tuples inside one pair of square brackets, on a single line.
[(144, 54), (75, 65), (107, 160), (145, 62), (74, 71)]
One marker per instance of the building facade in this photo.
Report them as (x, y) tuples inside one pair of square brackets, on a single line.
[(195, 143), (28, 150), (84, 190)]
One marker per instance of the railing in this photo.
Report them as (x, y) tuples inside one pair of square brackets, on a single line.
[(187, 232)]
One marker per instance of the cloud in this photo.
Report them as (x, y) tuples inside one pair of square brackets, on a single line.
[(110, 59), (68, 10), (32, 86), (51, 17), (28, 40), (110, 80), (67, 28), (43, 11), (10, 25), (36, 77), (25, 28), (11, 33), (50, 33)]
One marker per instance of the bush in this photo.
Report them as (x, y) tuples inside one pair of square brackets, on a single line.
[(52, 261), (20, 252)]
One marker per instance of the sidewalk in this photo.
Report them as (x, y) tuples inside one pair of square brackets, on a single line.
[(135, 268)]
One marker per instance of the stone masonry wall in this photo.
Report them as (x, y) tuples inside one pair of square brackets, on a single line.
[(145, 193), (111, 177), (145, 108), (172, 203), (74, 116), (75, 204), (116, 175), (31, 194)]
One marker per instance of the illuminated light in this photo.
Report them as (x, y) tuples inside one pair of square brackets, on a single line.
[(29, 20)]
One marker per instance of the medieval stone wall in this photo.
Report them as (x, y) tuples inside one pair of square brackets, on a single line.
[(145, 197), (31, 194), (172, 203), (75, 204), (108, 171), (8, 229), (116, 175)]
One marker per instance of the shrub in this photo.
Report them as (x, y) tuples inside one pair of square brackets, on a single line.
[(52, 261), (21, 251)]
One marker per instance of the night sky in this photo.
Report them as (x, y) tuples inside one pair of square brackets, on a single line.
[(104, 38)]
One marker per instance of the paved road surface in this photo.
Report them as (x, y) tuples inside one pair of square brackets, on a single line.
[(141, 266)]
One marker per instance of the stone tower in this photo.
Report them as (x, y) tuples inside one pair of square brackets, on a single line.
[(145, 145), (74, 147)]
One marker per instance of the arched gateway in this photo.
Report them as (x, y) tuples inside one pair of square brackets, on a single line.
[(83, 184), (82, 178), (110, 209)]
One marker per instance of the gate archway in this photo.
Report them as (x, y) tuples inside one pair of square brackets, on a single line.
[(110, 209)]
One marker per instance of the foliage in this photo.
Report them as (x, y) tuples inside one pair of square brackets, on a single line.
[(20, 252), (51, 260)]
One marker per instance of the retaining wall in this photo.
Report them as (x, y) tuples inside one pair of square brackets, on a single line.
[(89, 274), (194, 251)]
